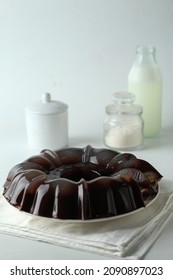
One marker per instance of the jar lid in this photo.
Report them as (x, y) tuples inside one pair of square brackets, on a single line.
[(47, 106), (124, 104)]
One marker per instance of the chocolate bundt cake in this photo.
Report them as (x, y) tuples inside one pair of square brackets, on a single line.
[(76, 183)]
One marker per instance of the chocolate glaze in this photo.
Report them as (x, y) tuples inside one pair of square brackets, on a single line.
[(76, 183)]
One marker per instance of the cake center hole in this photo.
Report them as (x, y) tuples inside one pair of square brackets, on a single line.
[(74, 173)]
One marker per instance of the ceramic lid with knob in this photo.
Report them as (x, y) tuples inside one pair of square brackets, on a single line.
[(47, 106)]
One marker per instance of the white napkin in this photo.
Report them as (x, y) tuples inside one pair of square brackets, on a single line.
[(128, 237)]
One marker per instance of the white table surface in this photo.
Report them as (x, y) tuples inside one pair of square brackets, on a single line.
[(159, 152)]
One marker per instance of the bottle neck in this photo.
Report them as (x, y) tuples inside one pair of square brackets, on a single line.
[(146, 56)]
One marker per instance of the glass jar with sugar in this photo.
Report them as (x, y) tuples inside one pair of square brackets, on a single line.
[(123, 125)]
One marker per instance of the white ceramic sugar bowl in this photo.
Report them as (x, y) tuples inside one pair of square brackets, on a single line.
[(47, 124)]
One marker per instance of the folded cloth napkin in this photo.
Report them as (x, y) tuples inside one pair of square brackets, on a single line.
[(126, 237)]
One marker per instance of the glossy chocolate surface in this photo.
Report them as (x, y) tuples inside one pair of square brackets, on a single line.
[(76, 183)]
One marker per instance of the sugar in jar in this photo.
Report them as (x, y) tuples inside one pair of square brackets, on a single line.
[(123, 125)]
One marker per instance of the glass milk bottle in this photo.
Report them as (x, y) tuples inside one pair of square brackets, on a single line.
[(145, 81)]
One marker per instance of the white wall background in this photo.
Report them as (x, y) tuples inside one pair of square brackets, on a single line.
[(81, 52)]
